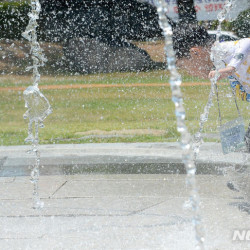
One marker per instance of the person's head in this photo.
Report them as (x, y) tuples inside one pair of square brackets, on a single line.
[(187, 36), (199, 63), (195, 55)]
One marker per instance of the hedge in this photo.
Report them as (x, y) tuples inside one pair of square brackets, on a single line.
[(13, 19), (241, 26)]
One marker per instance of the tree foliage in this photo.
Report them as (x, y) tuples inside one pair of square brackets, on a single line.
[(241, 26), (13, 19)]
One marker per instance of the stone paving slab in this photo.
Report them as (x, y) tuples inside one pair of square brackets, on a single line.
[(119, 212)]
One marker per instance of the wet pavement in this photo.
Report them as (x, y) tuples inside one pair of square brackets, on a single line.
[(136, 211), (119, 158), (98, 208)]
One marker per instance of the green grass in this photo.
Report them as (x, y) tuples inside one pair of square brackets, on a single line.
[(79, 110), (112, 78)]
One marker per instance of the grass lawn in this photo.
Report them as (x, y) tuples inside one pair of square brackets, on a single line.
[(77, 111), (114, 78)]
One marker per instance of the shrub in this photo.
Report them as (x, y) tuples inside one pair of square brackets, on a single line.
[(13, 19), (241, 26)]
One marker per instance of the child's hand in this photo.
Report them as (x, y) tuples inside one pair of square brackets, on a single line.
[(222, 72), (211, 74)]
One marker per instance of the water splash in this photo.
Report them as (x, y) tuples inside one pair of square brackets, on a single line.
[(186, 139), (198, 140), (38, 107)]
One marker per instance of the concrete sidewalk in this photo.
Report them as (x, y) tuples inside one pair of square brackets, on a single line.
[(119, 212), (93, 210), (119, 158)]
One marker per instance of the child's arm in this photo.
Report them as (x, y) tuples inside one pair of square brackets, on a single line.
[(239, 56), (229, 70)]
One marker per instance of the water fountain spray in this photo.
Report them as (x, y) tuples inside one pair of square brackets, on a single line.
[(38, 107), (186, 139), (204, 116)]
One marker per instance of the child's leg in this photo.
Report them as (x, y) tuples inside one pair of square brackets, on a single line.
[(241, 93), (247, 138)]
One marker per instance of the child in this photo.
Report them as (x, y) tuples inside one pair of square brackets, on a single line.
[(231, 59)]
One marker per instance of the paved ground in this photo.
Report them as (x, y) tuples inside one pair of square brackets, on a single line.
[(122, 210), (118, 212), (119, 158)]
